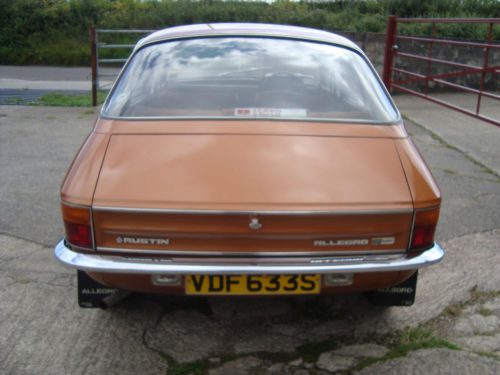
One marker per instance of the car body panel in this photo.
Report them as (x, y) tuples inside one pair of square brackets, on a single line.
[(79, 184), (261, 172), (423, 187), (242, 126), (229, 233), (246, 29)]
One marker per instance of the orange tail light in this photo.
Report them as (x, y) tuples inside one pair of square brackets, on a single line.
[(77, 225), (424, 228)]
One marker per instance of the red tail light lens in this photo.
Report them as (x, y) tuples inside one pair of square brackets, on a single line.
[(424, 228), (77, 225)]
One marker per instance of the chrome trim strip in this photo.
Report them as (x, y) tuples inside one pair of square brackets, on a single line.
[(186, 253), (427, 208), (263, 118), (250, 212), (76, 248), (412, 229), (92, 232), (66, 203), (116, 264)]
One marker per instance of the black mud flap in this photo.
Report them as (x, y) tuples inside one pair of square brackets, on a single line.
[(91, 293), (398, 295)]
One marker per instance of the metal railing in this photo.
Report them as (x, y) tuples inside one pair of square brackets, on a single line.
[(440, 78), (96, 45)]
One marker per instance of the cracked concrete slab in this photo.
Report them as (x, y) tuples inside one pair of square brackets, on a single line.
[(435, 362), (349, 356), (179, 333), (237, 326), (471, 195), (457, 129), (37, 145), (44, 331)]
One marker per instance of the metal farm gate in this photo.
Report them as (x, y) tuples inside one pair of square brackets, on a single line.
[(456, 72), (402, 54), (96, 45)]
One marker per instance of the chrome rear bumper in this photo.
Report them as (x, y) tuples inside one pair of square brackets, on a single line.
[(341, 264)]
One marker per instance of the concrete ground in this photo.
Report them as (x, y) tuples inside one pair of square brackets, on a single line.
[(42, 330), (51, 78)]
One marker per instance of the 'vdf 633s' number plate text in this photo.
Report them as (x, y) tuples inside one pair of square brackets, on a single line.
[(252, 284)]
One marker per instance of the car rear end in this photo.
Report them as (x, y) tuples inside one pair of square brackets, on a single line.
[(244, 163), (232, 229)]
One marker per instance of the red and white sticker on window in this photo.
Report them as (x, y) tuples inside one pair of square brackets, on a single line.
[(270, 112)]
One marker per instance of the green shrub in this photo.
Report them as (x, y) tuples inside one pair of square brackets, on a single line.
[(57, 31)]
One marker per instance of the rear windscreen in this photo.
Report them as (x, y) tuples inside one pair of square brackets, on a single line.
[(245, 77)]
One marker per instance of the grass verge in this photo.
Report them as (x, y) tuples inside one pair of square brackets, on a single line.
[(60, 100), (65, 100)]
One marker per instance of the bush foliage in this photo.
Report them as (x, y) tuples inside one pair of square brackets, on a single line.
[(57, 31)]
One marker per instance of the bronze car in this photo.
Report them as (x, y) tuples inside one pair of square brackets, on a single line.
[(245, 159)]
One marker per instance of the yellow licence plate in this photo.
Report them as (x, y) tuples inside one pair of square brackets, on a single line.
[(252, 284)]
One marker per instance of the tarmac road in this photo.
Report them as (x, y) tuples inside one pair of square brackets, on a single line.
[(42, 330)]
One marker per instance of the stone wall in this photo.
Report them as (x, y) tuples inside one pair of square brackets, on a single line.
[(374, 46)]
